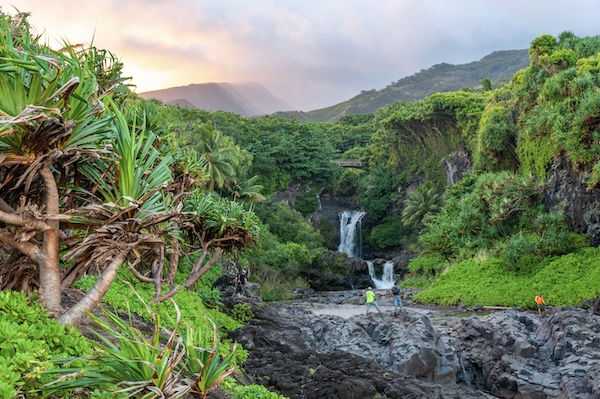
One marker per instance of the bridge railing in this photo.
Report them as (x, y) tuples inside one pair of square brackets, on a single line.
[(348, 163)]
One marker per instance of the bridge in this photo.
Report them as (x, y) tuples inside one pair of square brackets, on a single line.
[(348, 163)]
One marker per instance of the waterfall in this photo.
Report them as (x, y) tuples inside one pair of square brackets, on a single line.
[(466, 376), (350, 232), (387, 279)]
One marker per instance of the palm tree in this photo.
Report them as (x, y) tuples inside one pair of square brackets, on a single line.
[(420, 202), (243, 188), (220, 153)]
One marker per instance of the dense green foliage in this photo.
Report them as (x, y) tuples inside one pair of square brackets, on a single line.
[(30, 344), (424, 200), (564, 281), (427, 264), (248, 392), (500, 212), (390, 233)]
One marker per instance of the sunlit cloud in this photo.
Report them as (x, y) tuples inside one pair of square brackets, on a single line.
[(312, 54)]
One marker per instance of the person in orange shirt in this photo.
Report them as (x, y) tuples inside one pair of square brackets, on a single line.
[(539, 300)]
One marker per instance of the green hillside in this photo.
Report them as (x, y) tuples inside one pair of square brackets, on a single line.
[(499, 67)]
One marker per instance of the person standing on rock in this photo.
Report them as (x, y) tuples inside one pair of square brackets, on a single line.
[(370, 295), (241, 283), (539, 300), (396, 291)]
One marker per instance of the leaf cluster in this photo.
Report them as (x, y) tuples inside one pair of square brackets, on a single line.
[(31, 343), (149, 364)]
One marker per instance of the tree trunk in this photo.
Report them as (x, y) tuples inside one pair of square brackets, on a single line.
[(50, 291), (76, 314)]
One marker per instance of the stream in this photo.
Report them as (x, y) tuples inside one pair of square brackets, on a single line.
[(347, 304)]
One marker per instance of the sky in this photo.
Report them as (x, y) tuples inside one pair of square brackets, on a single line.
[(310, 53)]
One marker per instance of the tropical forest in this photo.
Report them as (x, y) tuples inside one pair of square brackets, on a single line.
[(118, 211)]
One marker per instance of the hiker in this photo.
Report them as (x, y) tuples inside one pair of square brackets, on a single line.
[(370, 295), (539, 300), (241, 283), (396, 291)]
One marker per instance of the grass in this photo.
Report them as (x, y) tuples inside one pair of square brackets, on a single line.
[(564, 281)]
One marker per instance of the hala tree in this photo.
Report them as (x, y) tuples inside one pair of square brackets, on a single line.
[(85, 185)]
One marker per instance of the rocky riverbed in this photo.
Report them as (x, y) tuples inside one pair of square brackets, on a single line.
[(326, 347)]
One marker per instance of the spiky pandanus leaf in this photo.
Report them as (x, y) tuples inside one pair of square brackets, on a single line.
[(137, 363)]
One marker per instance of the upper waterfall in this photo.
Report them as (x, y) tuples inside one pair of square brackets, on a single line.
[(350, 239)]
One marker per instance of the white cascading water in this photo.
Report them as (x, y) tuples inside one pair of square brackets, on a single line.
[(350, 232), (387, 279)]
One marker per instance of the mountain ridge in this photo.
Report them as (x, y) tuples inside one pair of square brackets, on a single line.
[(498, 66), (246, 99), (253, 99)]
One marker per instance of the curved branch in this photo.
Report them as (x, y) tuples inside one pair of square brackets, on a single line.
[(76, 314), (139, 275), (4, 207), (197, 272), (18, 220), (30, 250)]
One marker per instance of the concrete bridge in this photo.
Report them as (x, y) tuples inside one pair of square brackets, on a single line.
[(348, 163)]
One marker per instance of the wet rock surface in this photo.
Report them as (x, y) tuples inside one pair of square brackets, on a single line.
[(507, 354)]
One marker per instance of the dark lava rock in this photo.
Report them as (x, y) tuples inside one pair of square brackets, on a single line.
[(293, 352)]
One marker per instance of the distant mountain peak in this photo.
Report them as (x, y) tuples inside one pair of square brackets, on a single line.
[(245, 99)]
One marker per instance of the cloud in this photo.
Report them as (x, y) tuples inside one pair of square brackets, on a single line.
[(312, 54)]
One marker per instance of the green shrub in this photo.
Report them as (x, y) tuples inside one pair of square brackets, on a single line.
[(428, 264), (248, 391), (30, 342), (242, 312), (496, 139), (203, 362), (535, 156), (391, 232), (121, 297), (307, 204), (565, 281), (276, 285), (148, 364), (492, 214), (327, 230), (127, 359), (211, 298)]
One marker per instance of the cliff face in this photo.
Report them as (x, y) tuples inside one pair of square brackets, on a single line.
[(566, 192)]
